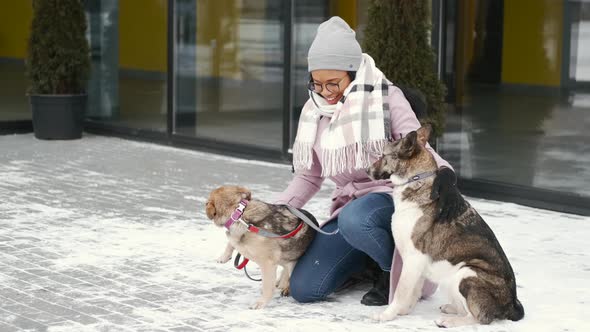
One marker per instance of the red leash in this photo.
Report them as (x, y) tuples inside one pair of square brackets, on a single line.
[(237, 216), (242, 265)]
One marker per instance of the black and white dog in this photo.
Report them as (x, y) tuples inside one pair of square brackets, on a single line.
[(462, 254)]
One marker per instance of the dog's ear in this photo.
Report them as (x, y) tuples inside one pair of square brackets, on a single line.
[(424, 134), (246, 194), (210, 208), (409, 145)]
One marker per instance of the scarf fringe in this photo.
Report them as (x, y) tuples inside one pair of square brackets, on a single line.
[(359, 155), (302, 155), (335, 156)]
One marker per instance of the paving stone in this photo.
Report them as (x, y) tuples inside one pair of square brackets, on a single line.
[(4, 327)]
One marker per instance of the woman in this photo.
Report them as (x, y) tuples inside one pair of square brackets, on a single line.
[(352, 112)]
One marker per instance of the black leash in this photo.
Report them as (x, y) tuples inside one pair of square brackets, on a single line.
[(305, 219)]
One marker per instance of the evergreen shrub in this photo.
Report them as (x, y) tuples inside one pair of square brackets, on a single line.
[(58, 60), (397, 39)]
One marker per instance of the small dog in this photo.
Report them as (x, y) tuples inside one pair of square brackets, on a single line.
[(267, 252), (462, 254)]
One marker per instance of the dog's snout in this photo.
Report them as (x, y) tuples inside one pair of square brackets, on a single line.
[(210, 210)]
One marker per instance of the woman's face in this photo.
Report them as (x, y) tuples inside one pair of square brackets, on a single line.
[(330, 84)]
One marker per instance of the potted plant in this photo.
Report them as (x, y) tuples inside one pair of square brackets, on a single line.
[(398, 40), (58, 66)]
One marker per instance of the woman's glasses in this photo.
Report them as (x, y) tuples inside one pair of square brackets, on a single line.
[(319, 87)]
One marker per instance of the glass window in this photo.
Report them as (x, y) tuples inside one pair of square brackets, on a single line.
[(229, 71), (15, 24), (309, 14), (579, 13), (13, 89), (128, 42), (512, 120)]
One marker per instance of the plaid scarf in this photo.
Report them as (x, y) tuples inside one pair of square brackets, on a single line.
[(360, 124)]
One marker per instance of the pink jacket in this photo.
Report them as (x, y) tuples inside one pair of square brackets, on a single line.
[(357, 183)]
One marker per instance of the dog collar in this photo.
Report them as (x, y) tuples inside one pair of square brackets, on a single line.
[(237, 214), (418, 177)]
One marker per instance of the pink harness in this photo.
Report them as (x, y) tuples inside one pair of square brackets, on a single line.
[(236, 216)]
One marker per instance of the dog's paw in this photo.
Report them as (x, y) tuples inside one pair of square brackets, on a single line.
[(223, 259), (454, 321), (285, 292), (405, 310), (440, 322), (448, 309), (259, 304), (383, 316)]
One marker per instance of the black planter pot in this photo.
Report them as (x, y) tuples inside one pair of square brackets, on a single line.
[(58, 116)]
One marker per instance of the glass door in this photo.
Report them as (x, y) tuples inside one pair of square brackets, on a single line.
[(513, 119), (128, 45), (578, 14), (15, 23), (229, 76)]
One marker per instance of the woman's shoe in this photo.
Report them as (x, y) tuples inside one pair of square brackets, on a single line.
[(379, 294)]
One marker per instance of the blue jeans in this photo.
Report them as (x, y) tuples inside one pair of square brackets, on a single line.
[(330, 260)]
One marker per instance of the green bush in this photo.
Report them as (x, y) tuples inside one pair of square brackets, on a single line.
[(58, 59), (397, 38)]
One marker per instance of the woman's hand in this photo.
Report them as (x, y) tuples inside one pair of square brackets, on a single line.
[(450, 203)]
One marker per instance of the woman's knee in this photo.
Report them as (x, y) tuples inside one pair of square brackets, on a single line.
[(301, 290), (354, 222), (350, 221), (370, 211)]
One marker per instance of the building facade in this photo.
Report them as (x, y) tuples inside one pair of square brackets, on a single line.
[(229, 76)]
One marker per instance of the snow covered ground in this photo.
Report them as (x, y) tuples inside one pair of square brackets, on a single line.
[(104, 234)]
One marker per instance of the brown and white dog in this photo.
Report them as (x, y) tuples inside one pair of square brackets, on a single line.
[(267, 252), (462, 254)]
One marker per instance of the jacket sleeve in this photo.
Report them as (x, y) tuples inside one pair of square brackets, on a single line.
[(403, 121), (304, 185)]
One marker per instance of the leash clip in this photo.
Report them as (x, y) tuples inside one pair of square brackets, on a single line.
[(237, 214)]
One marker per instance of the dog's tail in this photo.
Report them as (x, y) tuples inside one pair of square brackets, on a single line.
[(517, 311)]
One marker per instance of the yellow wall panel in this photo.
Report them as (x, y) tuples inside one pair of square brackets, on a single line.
[(347, 9), (465, 45), (142, 34), (15, 24), (218, 31), (531, 51)]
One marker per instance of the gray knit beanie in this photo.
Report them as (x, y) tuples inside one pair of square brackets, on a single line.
[(334, 47)]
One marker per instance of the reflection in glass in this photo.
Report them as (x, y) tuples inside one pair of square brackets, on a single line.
[(512, 122), (103, 37), (14, 105), (15, 23), (128, 82), (309, 14), (580, 41), (229, 71)]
